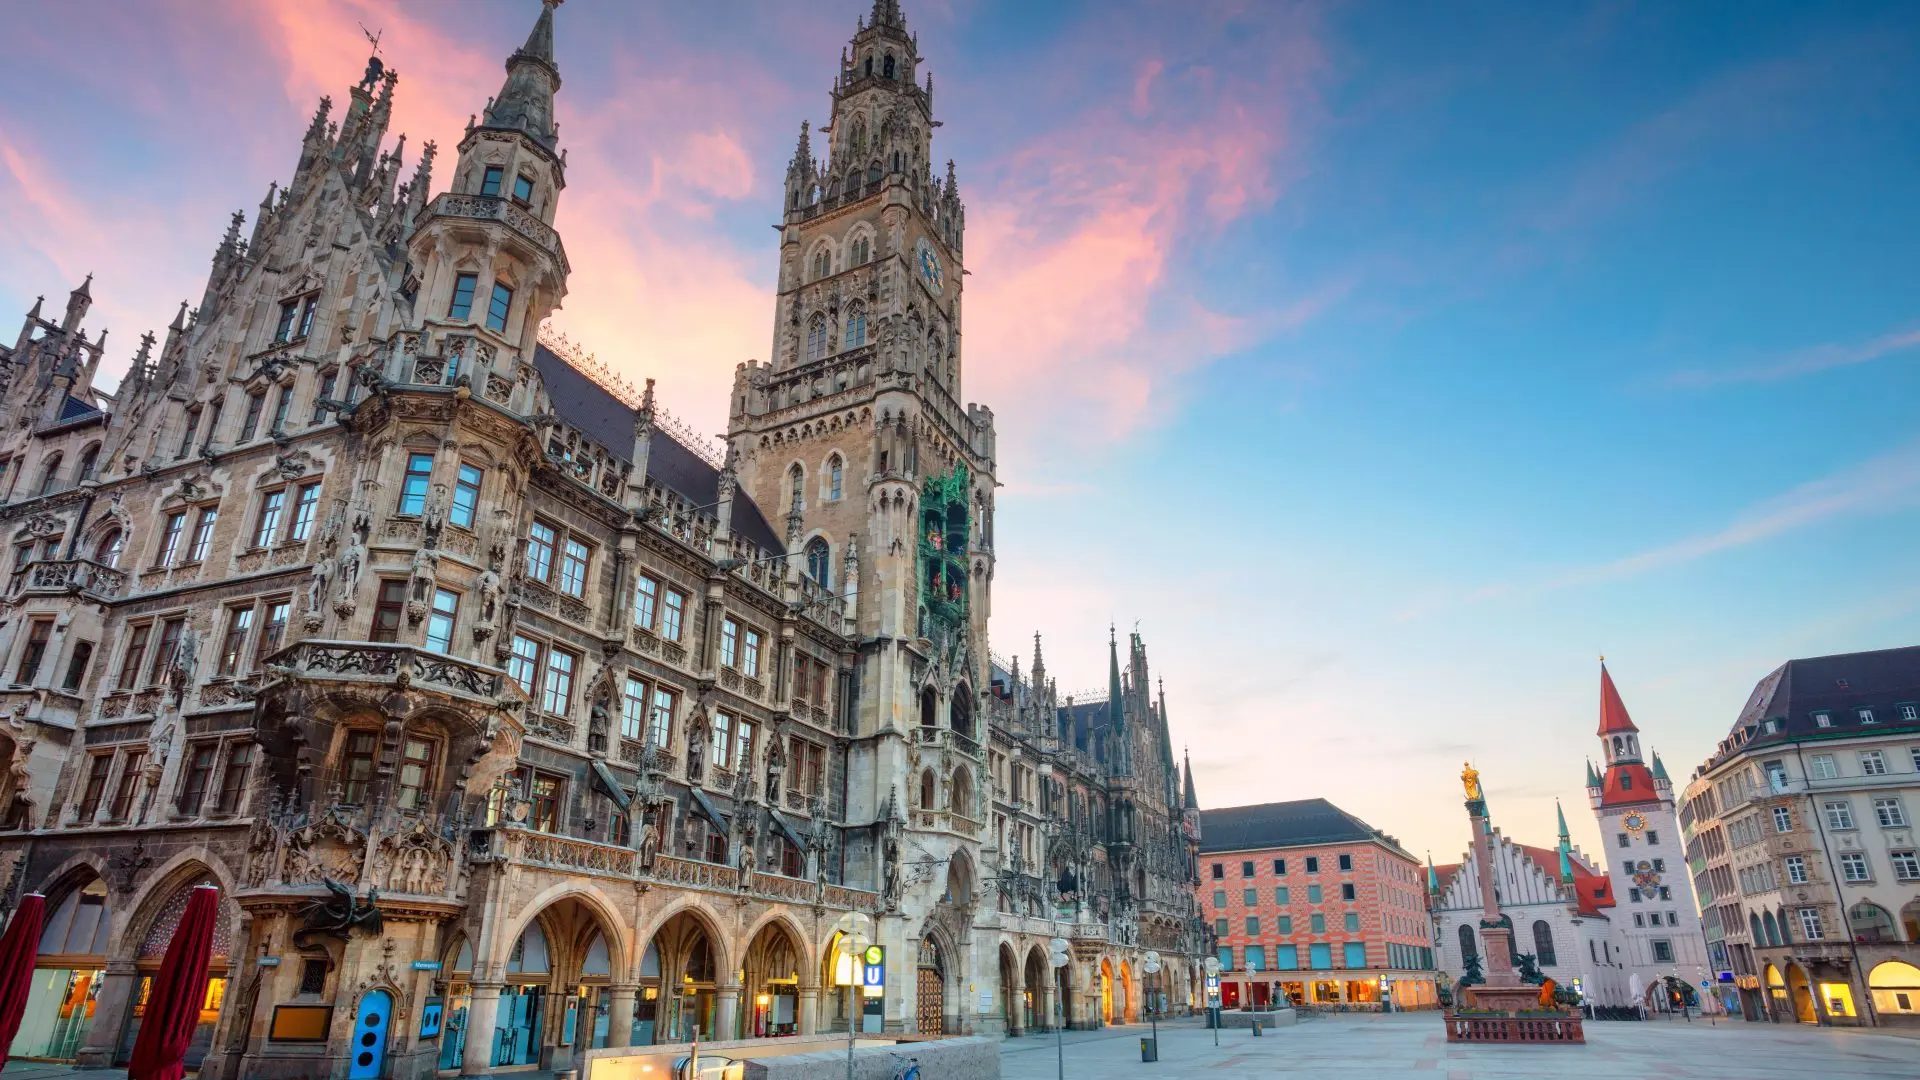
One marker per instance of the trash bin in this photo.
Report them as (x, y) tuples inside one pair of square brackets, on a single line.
[(1256, 1026), (1149, 1049)]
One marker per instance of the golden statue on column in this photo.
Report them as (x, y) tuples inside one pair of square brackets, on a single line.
[(1470, 779)]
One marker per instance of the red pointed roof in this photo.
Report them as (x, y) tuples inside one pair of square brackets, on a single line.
[(1591, 891), (1613, 712)]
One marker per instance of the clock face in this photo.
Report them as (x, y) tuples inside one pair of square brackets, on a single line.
[(1635, 822), (929, 265)]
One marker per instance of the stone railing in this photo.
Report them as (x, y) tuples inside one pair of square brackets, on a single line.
[(494, 208), (389, 664), (74, 576), (571, 855), (567, 853), (1090, 932), (697, 875)]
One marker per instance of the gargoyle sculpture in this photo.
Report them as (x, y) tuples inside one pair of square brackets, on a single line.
[(338, 914)]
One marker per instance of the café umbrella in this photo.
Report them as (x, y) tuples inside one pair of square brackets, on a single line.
[(18, 948), (179, 990)]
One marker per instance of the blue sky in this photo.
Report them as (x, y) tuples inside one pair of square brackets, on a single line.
[(1386, 362)]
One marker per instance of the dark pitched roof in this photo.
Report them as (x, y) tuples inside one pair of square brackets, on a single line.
[(1840, 686), (1285, 824), (605, 419)]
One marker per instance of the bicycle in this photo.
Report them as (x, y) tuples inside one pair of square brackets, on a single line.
[(908, 1071)]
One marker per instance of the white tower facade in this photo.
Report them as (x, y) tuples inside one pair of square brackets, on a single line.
[(1657, 922)]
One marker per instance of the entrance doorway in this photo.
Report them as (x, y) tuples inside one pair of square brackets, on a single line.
[(930, 1015)]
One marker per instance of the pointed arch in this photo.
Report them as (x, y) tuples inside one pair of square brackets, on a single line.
[(816, 336), (819, 556)]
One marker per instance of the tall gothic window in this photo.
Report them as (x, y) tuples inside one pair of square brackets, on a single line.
[(816, 337), (835, 472), (796, 481), (887, 68), (819, 561), (822, 264), (857, 313), (1543, 943), (1467, 945)]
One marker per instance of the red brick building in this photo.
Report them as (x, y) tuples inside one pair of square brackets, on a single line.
[(1311, 905)]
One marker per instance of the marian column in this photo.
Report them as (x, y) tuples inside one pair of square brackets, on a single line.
[(1495, 929)]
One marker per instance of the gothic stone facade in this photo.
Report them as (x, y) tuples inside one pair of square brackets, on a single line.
[(487, 694)]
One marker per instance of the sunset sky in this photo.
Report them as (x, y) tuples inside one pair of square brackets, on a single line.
[(1384, 363)]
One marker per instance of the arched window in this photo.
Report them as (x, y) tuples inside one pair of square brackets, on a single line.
[(927, 708), (862, 250), (960, 714), (107, 551), (796, 485), (1543, 944), (1758, 937), (858, 140), (1467, 946), (822, 264), (869, 66), (835, 473), (1772, 928), (857, 316), (962, 792), (929, 791), (887, 68), (1871, 924), (50, 475), (816, 337), (1786, 928), (819, 561), (89, 461)]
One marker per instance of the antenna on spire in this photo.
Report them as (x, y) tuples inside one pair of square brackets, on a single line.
[(375, 67)]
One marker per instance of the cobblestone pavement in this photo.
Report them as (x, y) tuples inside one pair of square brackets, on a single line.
[(1412, 1045)]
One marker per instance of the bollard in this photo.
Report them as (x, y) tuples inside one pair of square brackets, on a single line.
[(1149, 1049)]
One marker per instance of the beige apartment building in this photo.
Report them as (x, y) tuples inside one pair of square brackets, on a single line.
[(1801, 839)]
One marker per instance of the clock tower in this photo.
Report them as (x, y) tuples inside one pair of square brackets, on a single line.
[(854, 434), (1656, 916)]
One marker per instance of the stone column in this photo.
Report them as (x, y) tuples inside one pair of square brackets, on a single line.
[(1016, 1005), (726, 1013), (809, 1009), (109, 1015), (483, 1014), (620, 1015)]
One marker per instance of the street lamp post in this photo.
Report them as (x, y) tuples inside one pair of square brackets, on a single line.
[(1211, 965), (1152, 968), (1057, 956)]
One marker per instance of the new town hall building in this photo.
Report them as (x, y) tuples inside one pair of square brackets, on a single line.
[(510, 719)]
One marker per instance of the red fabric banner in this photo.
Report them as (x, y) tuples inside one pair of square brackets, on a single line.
[(18, 948), (173, 1006)]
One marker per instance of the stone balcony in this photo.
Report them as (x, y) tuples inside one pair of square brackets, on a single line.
[(403, 666), (70, 577), (496, 208), (517, 846), (948, 738)]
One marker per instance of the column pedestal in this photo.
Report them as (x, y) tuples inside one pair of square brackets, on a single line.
[(620, 1015), (809, 1010), (109, 1016), (726, 1014), (483, 1014)]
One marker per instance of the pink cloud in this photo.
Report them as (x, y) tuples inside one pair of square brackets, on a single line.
[(1082, 296)]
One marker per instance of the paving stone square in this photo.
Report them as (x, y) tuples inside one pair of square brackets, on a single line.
[(1412, 1045)]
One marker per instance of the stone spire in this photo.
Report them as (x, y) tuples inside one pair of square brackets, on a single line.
[(1116, 701), (1566, 846), (78, 301), (1191, 800), (525, 101), (887, 13)]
